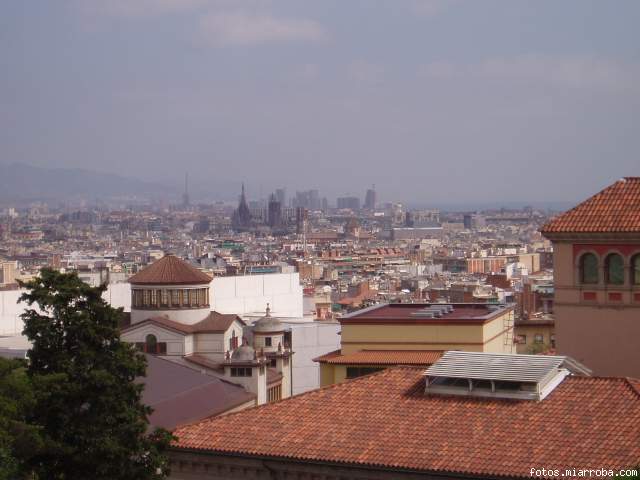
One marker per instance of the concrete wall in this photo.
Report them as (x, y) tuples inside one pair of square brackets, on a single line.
[(241, 295), (310, 340)]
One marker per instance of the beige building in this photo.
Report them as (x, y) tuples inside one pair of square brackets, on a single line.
[(415, 334), (597, 280), (8, 273), (535, 335), (171, 318)]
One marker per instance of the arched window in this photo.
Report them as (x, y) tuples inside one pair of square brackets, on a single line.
[(614, 269), (635, 270), (151, 343), (588, 268)]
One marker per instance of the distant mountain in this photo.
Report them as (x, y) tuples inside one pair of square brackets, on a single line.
[(19, 181)]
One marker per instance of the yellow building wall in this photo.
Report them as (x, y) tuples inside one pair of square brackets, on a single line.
[(531, 331), (425, 337)]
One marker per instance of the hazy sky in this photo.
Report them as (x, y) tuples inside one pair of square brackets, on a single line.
[(434, 101)]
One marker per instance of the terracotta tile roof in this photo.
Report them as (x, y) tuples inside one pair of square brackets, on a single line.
[(382, 357), (170, 270), (214, 323), (614, 209), (385, 420)]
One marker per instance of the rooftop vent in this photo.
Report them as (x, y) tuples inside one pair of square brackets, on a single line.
[(492, 375)]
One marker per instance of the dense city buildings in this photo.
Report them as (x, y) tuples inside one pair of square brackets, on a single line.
[(242, 305)]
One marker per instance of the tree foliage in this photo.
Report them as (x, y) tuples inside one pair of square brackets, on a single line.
[(85, 400), (18, 439)]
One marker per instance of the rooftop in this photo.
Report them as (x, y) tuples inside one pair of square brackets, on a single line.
[(179, 394), (214, 323), (408, 313), (386, 421), (614, 209), (170, 270), (382, 357)]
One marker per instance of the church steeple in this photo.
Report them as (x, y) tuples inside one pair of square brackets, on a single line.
[(242, 216)]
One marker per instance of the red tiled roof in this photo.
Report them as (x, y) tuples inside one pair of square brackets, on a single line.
[(214, 323), (170, 270), (382, 357), (614, 209), (386, 421)]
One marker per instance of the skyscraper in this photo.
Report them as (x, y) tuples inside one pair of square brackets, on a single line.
[(370, 198), (274, 217)]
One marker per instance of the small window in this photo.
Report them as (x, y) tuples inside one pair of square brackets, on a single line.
[(553, 341), (588, 268), (635, 270), (151, 342), (538, 338), (241, 371), (521, 339), (267, 341), (175, 298), (614, 268), (164, 298)]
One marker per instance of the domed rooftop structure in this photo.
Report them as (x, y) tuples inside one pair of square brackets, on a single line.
[(268, 324), (170, 270), (244, 353)]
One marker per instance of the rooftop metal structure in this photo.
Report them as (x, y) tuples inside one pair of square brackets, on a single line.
[(526, 377)]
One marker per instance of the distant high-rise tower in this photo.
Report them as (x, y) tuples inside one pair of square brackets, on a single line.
[(185, 195), (370, 199), (274, 216), (242, 216), (281, 196)]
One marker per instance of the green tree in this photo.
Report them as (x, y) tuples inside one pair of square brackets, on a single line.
[(85, 398), (18, 440)]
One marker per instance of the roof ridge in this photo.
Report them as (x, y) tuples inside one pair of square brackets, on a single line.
[(633, 383)]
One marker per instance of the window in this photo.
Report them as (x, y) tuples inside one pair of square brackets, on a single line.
[(151, 342), (151, 345), (588, 268), (355, 372), (538, 338), (241, 371), (154, 298), (175, 298), (164, 298), (267, 341), (521, 339), (273, 363), (635, 270), (233, 341), (146, 297), (553, 340), (614, 268), (185, 298)]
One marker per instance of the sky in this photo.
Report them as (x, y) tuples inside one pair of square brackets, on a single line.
[(433, 101)]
